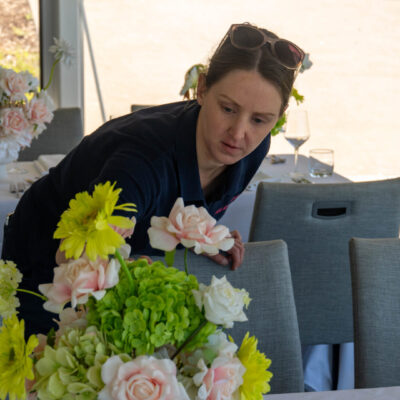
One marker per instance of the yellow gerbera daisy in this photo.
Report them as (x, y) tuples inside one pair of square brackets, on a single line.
[(15, 362), (256, 377), (87, 222)]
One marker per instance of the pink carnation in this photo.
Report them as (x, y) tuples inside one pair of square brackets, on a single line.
[(145, 377), (76, 280), (221, 381), (190, 226)]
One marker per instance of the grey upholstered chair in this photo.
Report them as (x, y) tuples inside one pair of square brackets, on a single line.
[(265, 274), (317, 222), (63, 133), (137, 107), (375, 269)]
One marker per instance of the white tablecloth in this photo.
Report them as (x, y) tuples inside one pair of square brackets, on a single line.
[(8, 201)]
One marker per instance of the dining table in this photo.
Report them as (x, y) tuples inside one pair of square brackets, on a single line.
[(385, 393), (21, 175)]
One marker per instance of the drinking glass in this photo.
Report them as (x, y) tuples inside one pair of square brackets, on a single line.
[(297, 131), (321, 163)]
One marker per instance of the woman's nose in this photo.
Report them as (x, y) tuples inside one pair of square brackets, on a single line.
[(237, 129)]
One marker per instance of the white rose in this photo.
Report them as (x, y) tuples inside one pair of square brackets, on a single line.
[(223, 304)]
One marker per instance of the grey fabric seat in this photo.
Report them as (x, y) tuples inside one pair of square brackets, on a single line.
[(317, 222), (137, 107), (265, 274), (375, 269), (63, 133)]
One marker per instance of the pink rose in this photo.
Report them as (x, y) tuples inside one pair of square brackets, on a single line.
[(14, 84), (13, 122), (76, 280), (190, 226), (69, 318), (221, 381), (39, 111), (124, 232), (145, 377)]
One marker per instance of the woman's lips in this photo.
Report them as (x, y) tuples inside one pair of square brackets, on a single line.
[(229, 148)]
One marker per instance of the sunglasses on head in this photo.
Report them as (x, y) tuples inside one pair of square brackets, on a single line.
[(248, 37)]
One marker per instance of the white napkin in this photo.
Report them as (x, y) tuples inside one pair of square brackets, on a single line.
[(260, 176), (47, 161)]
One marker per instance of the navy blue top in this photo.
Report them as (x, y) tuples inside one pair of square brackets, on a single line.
[(151, 154)]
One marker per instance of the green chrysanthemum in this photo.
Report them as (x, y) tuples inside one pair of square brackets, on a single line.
[(256, 377), (88, 222), (15, 362)]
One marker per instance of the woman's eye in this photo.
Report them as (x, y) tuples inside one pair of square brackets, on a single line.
[(258, 120), (227, 109)]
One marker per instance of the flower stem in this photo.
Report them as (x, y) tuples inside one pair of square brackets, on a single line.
[(34, 293), (185, 260), (53, 67), (125, 268), (189, 338)]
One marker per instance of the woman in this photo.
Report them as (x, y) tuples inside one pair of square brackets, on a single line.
[(205, 151)]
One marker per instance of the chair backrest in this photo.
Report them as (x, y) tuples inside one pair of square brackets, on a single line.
[(137, 107), (317, 222), (63, 133), (375, 270), (265, 274)]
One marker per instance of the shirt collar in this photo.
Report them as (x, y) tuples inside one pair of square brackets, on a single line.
[(237, 175)]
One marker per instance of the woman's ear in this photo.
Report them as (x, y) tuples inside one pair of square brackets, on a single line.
[(201, 88)]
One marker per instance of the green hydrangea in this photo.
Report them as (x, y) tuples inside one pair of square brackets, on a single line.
[(72, 369), (10, 278), (160, 310)]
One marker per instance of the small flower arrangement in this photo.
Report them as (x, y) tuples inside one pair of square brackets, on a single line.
[(25, 109), (133, 330)]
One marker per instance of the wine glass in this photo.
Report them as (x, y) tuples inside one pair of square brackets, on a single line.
[(297, 131)]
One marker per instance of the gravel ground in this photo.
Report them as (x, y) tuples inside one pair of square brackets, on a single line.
[(17, 27)]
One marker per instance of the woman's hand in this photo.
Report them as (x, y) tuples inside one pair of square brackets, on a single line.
[(234, 255)]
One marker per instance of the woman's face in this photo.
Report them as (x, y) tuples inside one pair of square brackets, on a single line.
[(236, 114)]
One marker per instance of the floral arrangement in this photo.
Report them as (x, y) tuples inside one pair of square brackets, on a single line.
[(25, 109), (133, 330)]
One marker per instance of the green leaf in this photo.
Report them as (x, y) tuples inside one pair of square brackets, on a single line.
[(297, 96)]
